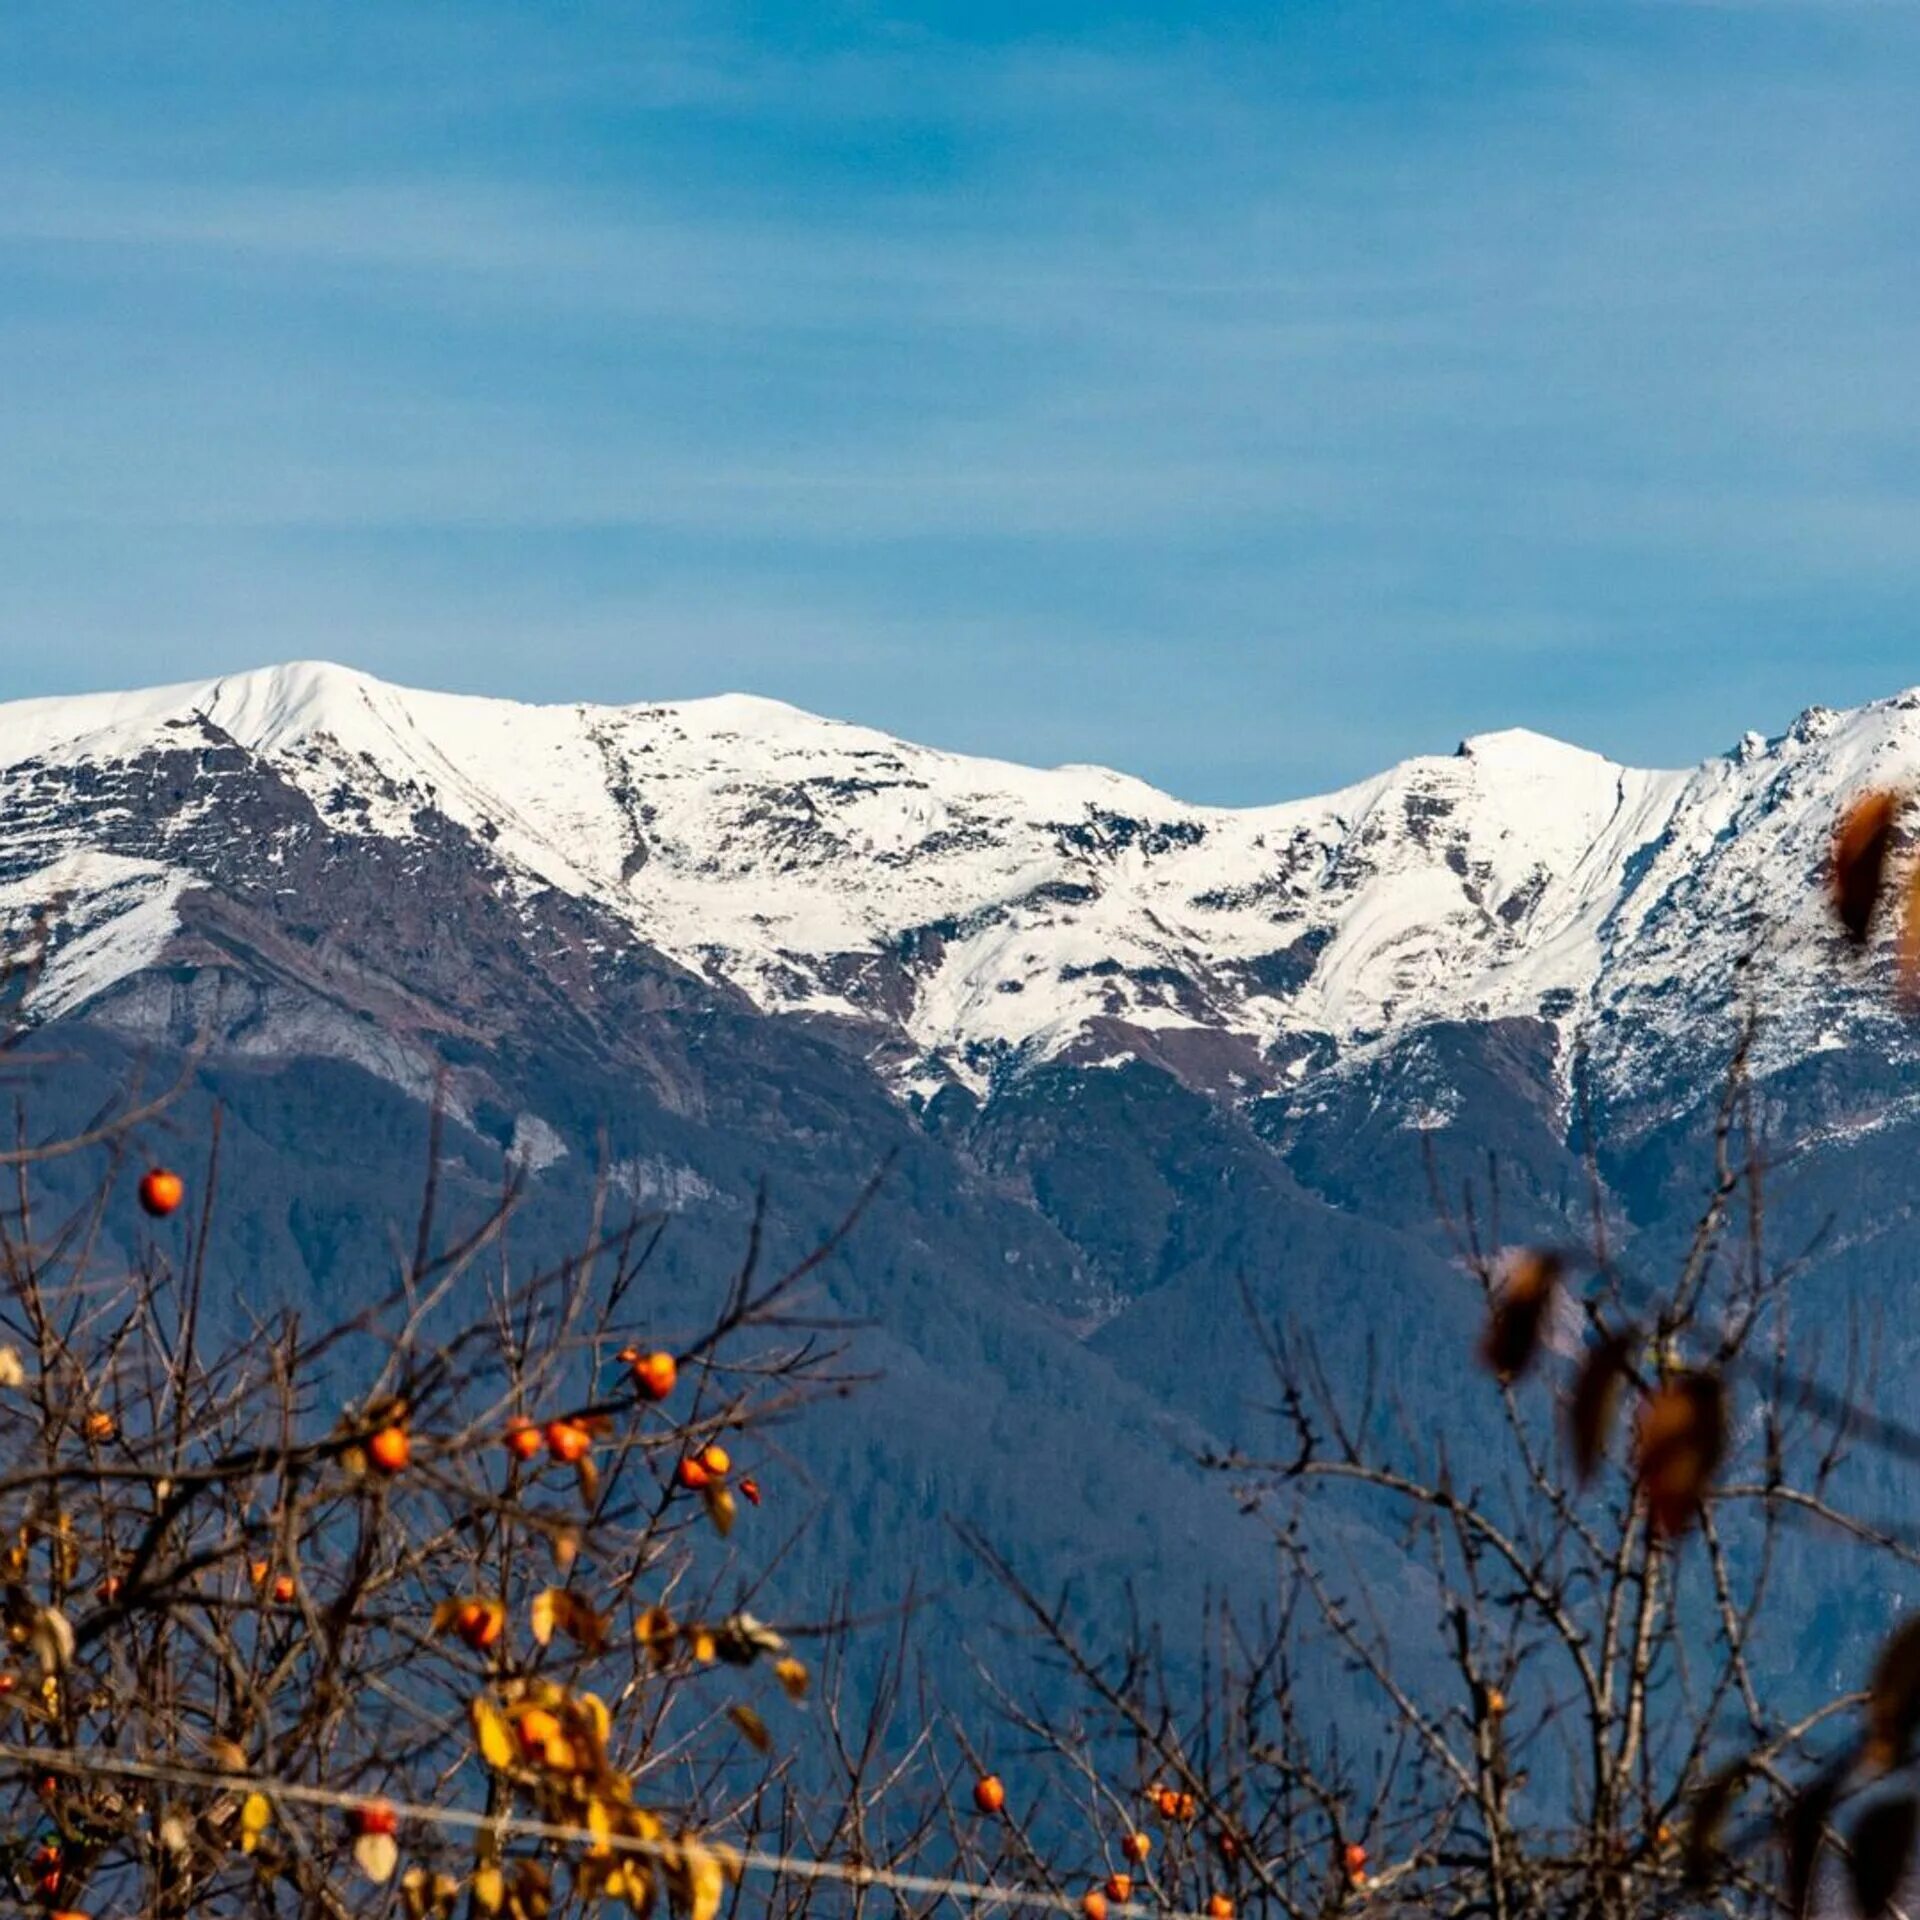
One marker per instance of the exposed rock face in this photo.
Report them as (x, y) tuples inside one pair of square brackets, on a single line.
[(1139, 1061), (965, 919)]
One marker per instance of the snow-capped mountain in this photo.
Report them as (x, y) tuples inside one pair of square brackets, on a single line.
[(1137, 1067), (973, 916)]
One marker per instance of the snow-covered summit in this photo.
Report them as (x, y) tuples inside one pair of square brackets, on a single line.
[(980, 914)]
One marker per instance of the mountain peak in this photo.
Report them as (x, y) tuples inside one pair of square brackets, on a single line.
[(978, 914), (259, 707), (1522, 749)]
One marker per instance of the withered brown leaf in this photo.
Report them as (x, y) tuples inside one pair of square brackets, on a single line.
[(1893, 1697), (1596, 1393), (1678, 1444), (1861, 842), (1711, 1805), (1878, 1850), (1518, 1310), (752, 1727), (1803, 1831)]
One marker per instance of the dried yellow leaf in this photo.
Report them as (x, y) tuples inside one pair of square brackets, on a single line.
[(492, 1735), (793, 1677), (541, 1614), (597, 1716), (753, 1727), (256, 1816), (655, 1631), (633, 1883), (706, 1881), (562, 1609), (428, 1896), (52, 1639), (600, 1825), (376, 1855)]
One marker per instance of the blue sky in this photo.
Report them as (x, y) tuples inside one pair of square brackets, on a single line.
[(1243, 395)]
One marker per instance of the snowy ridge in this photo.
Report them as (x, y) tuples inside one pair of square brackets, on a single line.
[(979, 915), (116, 916)]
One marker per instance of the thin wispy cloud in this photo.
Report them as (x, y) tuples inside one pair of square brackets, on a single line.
[(1243, 366)]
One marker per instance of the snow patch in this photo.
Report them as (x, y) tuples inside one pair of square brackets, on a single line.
[(650, 1181), (104, 916), (536, 1144), (988, 914)]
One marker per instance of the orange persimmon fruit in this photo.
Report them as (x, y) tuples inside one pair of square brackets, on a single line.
[(479, 1623), (654, 1373), (161, 1191), (537, 1729)]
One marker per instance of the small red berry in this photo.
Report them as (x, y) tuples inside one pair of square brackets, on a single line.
[(377, 1816)]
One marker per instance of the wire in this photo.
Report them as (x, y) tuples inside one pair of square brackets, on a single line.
[(973, 1892)]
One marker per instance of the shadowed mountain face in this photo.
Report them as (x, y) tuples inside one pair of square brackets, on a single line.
[(1142, 1074)]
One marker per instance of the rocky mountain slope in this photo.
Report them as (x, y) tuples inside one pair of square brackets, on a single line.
[(971, 918), (1139, 1065)]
